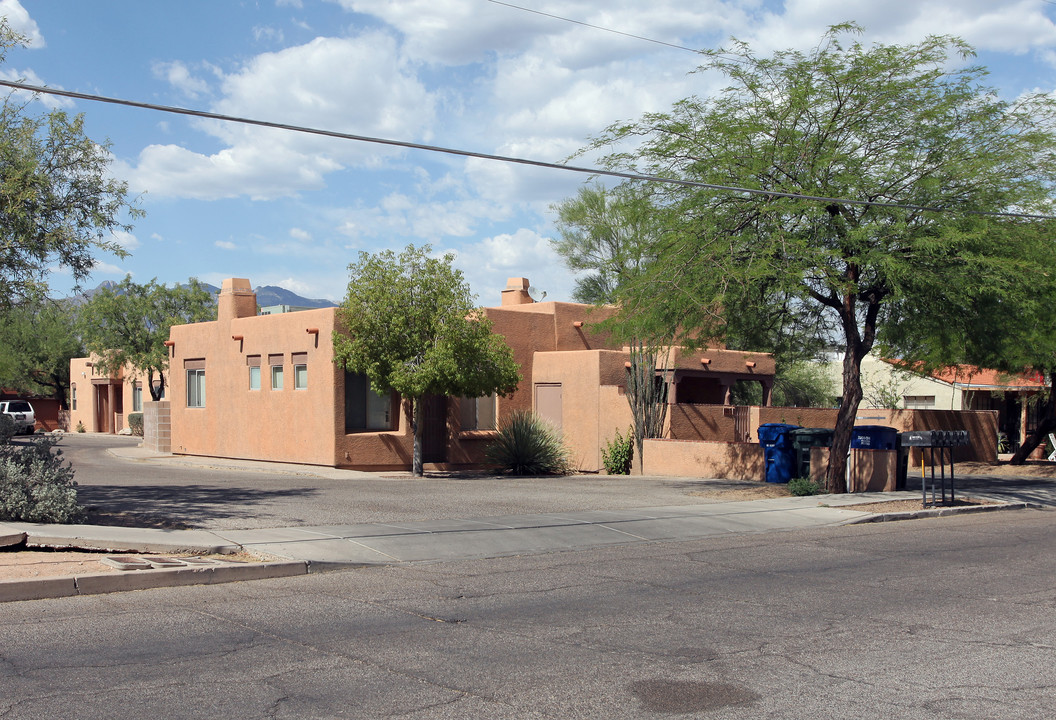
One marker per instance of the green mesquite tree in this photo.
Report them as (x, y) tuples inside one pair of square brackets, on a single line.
[(409, 325), (128, 324), (869, 166)]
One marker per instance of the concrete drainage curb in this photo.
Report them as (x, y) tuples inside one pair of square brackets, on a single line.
[(931, 512), (94, 584)]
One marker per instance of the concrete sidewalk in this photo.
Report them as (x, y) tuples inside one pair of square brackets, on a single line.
[(307, 549)]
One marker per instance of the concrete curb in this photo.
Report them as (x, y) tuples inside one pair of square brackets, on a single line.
[(124, 581), (933, 512)]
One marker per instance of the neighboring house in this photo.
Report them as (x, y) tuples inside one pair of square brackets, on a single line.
[(887, 384), (266, 387), (101, 403)]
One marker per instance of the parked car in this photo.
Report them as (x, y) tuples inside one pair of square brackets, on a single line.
[(21, 413)]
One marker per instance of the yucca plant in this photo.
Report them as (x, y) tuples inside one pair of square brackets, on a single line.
[(527, 445)]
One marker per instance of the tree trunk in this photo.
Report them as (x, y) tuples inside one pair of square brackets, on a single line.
[(418, 429), (156, 395), (856, 346), (1046, 425), (836, 475)]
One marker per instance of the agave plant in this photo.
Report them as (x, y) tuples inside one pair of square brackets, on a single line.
[(528, 445)]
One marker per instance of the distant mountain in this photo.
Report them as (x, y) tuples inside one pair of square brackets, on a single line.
[(272, 295), (266, 295)]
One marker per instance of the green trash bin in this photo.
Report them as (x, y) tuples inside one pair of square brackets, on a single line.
[(803, 439)]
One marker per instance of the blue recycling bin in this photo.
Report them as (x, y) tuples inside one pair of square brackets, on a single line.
[(778, 451), (874, 437)]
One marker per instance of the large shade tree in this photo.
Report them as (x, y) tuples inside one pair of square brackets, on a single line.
[(408, 323), (127, 324), (867, 173), (37, 342), (59, 206)]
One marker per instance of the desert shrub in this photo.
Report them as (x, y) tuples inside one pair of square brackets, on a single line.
[(803, 486), (7, 429), (618, 453), (36, 485), (135, 423), (80, 427), (527, 445)]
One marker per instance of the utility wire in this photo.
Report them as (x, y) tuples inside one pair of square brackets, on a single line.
[(502, 158), (595, 27)]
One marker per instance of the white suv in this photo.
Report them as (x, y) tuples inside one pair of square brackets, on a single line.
[(21, 413)]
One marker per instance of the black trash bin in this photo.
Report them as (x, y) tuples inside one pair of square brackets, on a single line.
[(778, 451), (803, 439), (874, 437)]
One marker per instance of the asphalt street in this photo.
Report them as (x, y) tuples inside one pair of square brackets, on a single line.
[(941, 618)]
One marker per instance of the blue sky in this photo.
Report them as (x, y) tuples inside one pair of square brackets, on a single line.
[(287, 209)]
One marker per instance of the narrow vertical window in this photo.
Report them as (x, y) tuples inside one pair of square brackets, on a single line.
[(73, 396), (275, 361), (137, 397), (300, 377), (253, 361), (196, 388)]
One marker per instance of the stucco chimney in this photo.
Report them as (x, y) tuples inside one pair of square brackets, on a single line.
[(516, 292), (236, 300)]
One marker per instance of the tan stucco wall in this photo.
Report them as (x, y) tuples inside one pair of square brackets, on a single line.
[(733, 461), (285, 425)]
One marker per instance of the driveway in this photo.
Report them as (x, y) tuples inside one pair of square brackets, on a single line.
[(225, 495)]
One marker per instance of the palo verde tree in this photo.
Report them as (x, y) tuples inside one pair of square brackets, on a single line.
[(58, 204), (862, 172), (127, 325), (409, 325)]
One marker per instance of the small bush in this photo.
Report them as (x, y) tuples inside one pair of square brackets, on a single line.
[(618, 453), (80, 427), (527, 445), (35, 484), (803, 486), (7, 429), (135, 423)]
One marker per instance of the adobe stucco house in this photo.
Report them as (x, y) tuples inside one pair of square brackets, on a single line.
[(266, 387), (101, 403)]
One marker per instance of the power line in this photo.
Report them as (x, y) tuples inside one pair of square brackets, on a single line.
[(502, 158), (595, 27)]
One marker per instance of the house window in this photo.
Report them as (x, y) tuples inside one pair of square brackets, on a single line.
[(196, 388), (253, 361), (478, 413), (275, 361), (73, 396), (919, 402), (137, 397), (300, 371), (364, 408)]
